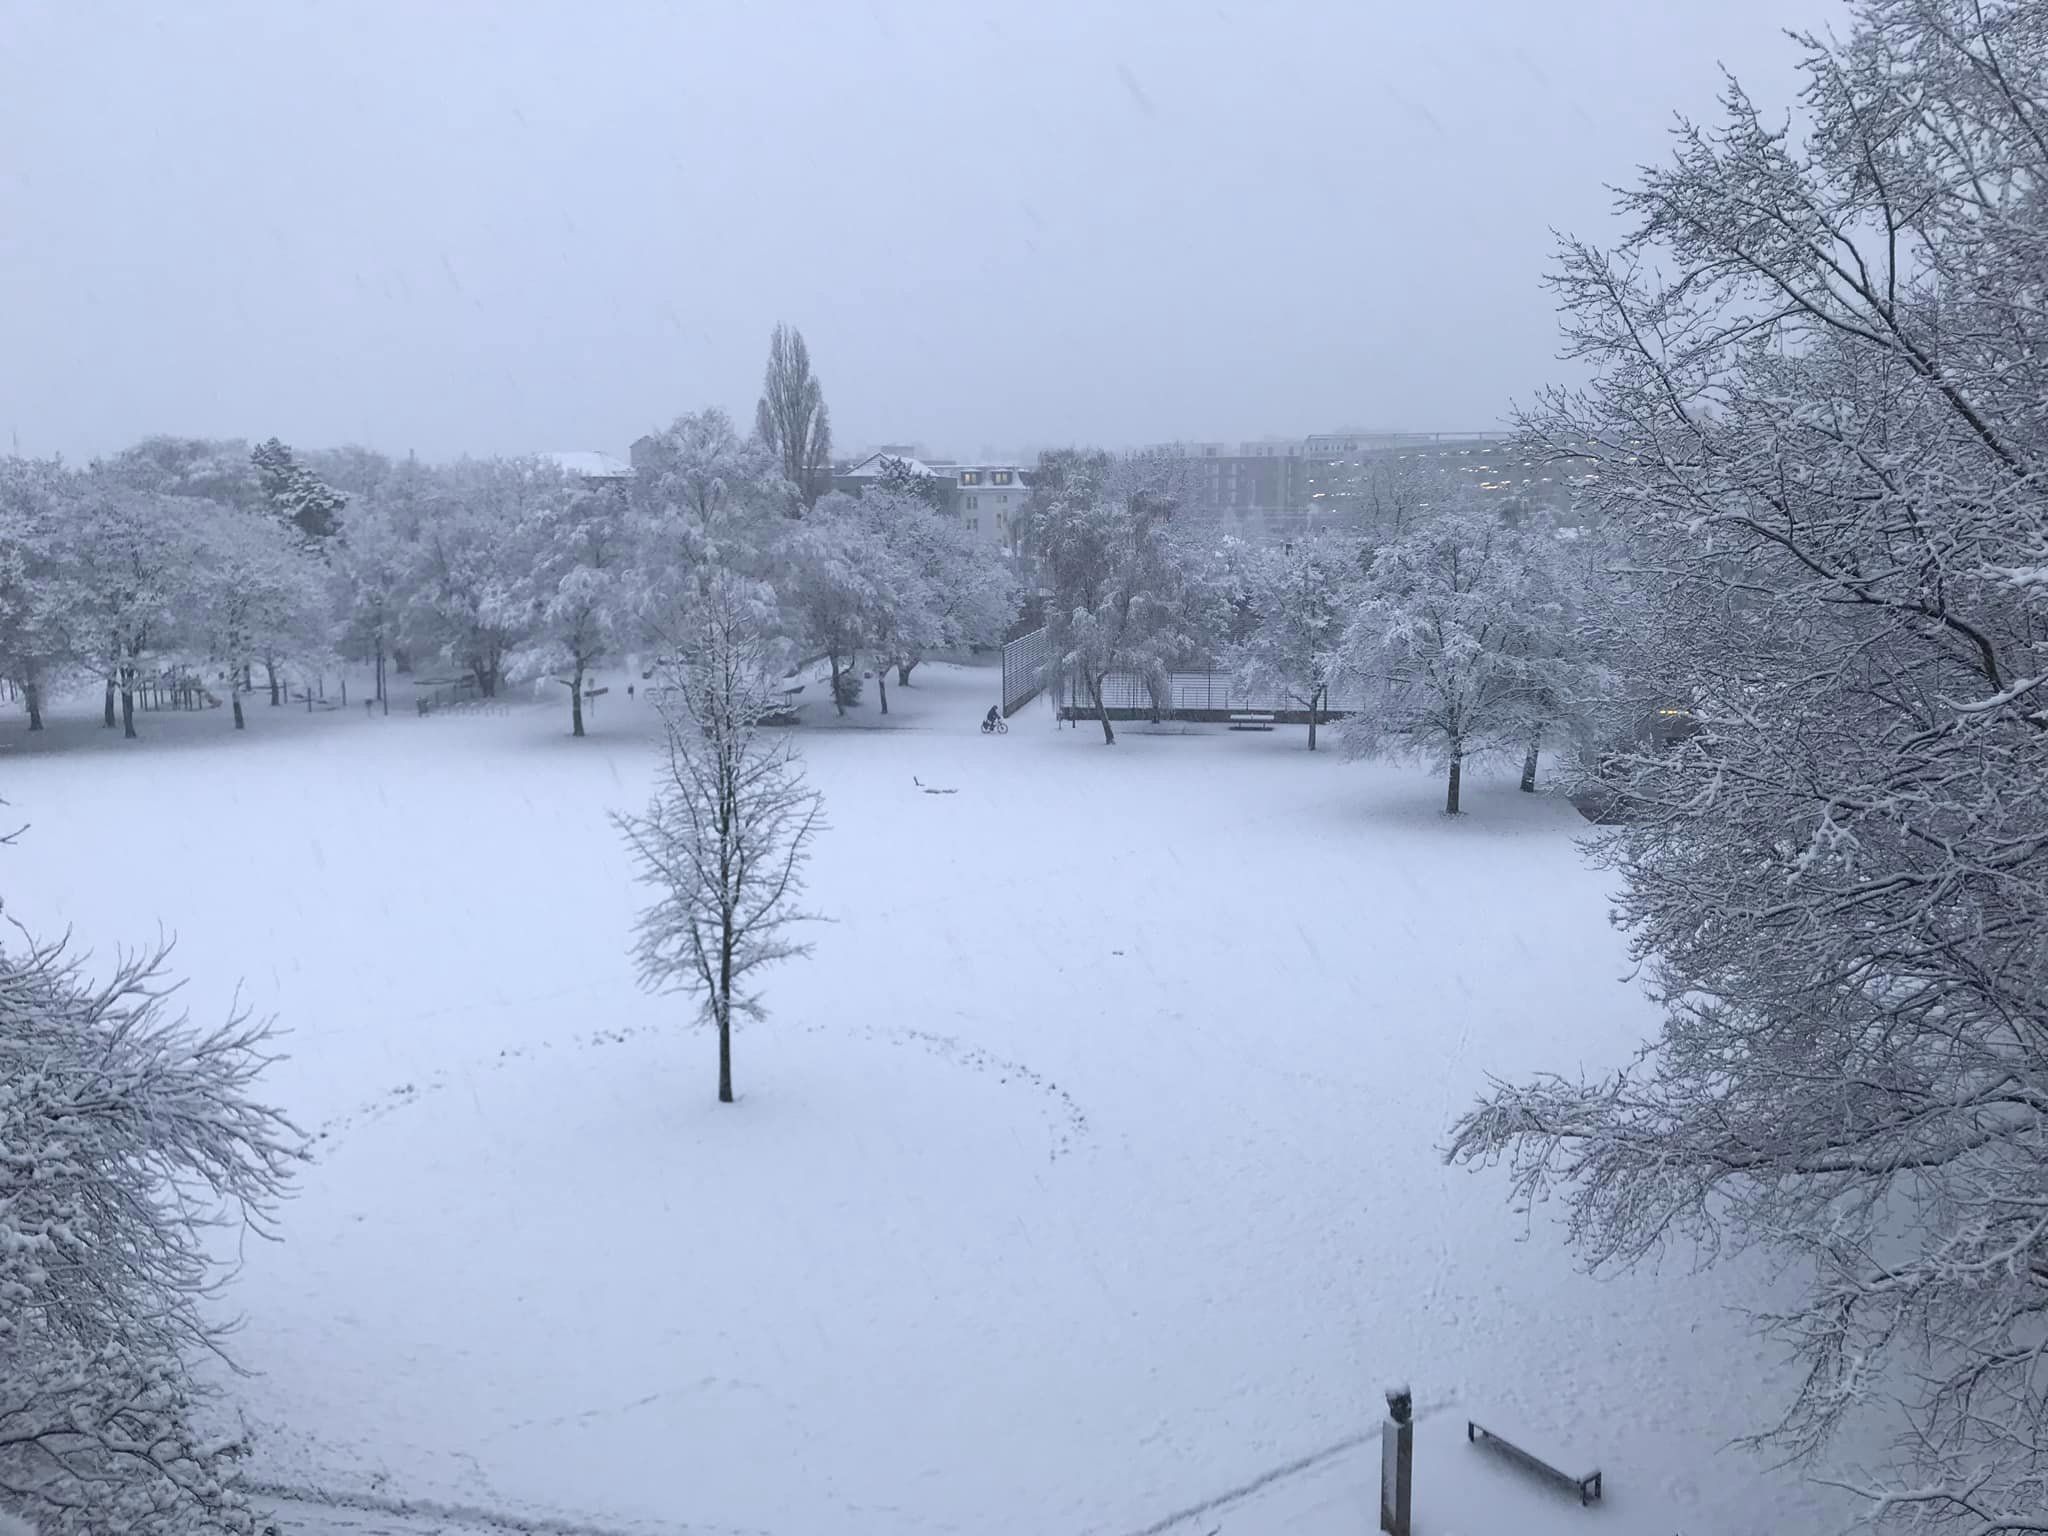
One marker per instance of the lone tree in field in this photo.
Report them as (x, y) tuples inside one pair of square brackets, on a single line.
[(792, 420), (725, 838), (1818, 375)]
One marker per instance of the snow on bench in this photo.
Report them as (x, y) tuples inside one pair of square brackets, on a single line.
[(1587, 1487), (1251, 722)]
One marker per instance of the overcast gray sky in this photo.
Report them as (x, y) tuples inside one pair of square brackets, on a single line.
[(458, 226)]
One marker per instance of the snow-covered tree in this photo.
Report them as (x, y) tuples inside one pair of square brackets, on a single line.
[(581, 582), (725, 839), (35, 613), (296, 496), (129, 559), (1299, 597), (709, 501), (1819, 371), (951, 589), (207, 469), (847, 590), (128, 1140), (255, 596), (369, 562), (791, 418), (1443, 640), (1122, 599), (466, 594)]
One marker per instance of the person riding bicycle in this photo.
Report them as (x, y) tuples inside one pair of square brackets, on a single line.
[(993, 719)]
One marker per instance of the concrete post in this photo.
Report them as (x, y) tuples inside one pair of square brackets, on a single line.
[(1397, 1462)]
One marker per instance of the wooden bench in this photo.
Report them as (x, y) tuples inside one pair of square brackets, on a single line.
[(1587, 1487), (1251, 722)]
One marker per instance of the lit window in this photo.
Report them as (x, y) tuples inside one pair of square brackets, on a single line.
[(970, 477), (1000, 477)]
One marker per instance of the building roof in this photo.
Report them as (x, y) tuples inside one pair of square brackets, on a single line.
[(589, 464), (872, 466)]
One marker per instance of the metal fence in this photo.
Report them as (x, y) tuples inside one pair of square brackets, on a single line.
[(1207, 691), (1026, 661)]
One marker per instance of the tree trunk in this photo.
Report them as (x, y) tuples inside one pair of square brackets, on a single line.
[(127, 709), (1102, 710), (380, 675), (107, 718), (32, 695), (903, 673), (882, 686), (838, 699), (1457, 768), (237, 698), (725, 1013), (1314, 698), (1529, 766), (270, 667), (576, 703)]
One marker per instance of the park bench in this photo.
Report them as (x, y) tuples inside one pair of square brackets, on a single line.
[(1587, 1487), (1251, 722)]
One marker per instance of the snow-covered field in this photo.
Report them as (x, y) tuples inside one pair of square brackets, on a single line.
[(1086, 1172)]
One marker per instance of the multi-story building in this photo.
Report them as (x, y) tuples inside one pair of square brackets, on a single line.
[(987, 498), (1246, 479)]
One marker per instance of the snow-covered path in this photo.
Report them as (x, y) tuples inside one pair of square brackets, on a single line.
[(1086, 1171)]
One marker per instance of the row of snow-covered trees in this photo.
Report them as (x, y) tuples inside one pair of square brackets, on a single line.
[(213, 560), (1454, 627)]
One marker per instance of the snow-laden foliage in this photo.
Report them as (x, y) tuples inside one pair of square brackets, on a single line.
[(295, 496), (847, 589), (580, 579), (1122, 595), (1455, 630), (128, 1141), (253, 595), (724, 841), (1817, 408), (710, 502), (127, 559), (470, 598), (36, 640), (951, 589), (1296, 600)]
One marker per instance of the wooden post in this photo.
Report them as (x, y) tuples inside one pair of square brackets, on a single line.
[(1397, 1463)]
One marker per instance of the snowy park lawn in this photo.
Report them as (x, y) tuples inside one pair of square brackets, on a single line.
[(1087, 1170)]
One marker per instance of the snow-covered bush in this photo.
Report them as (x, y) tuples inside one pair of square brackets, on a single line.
[(127, 1140)]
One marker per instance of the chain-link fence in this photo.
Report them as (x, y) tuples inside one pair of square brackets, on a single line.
[(1026, 661)]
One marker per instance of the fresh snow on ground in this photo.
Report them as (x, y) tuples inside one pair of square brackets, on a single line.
[(1087, 1171)]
